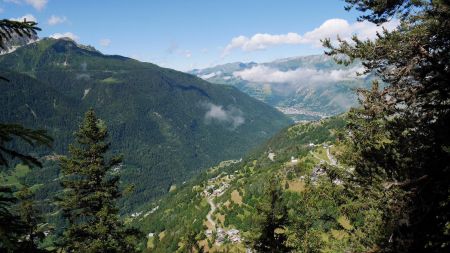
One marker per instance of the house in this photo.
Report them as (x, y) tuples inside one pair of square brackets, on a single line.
[(134, 215), (271, 156)]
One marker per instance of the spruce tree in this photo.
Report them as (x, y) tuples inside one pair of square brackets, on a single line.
[(91, 190), (399, 138), (273, 212)]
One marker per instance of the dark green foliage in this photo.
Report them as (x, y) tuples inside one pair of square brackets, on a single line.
[(273, 212), (190, 242), (18, 233), (32, 220), (90, 193), (399, 136), (10, 225), (10, 132), (156, 116)]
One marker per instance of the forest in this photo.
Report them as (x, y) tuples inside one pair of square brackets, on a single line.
[(373, 179)]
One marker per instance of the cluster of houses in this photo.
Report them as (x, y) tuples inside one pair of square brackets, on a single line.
[(212, 191), (231, 234), (218, 189)]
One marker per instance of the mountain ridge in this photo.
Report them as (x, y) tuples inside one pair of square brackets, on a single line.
[(168, 124), (303, 87)]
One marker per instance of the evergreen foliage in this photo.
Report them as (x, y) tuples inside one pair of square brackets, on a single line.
[(399, 139), (8, 28), (10, 132), (275, 220), (18, 233), (11, 28), (11, 227), (156, 116), (91, 189), (32, 220)]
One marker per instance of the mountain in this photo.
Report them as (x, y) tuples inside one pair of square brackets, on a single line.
[(221, 204), (168, 125), (17, 41), (305, 88)]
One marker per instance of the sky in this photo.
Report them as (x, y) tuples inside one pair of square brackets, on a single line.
[(188, 34)]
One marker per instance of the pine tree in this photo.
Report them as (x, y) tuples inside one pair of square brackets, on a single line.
[(90, 193), (399, 138), (273, 212)]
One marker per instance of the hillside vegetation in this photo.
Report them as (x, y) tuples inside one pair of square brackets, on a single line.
[(237, 189), (167, 124)]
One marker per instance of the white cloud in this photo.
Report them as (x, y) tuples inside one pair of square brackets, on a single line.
[(54, 20), (261, 41), (300, 76), (64, 35), (1, 10), (340, 27), (27, 17), (331, 28), (210, 75), (230, 115), (105, 42), (37, 4)]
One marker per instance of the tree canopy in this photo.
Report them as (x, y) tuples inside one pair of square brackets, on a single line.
[(399, 139)]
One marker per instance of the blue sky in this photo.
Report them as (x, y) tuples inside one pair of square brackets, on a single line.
[(186, 34)]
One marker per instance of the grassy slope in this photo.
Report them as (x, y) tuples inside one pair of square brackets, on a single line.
[(185, 209)]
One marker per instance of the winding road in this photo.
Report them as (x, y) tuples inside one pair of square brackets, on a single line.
[(213, 209)]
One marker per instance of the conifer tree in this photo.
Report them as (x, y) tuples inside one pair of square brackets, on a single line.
[(399, 138), (91, 189), (12, 228), (273, 212), (32, 220), (11, 28)]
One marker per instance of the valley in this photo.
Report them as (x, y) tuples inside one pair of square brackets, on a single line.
[(252, 126), (168, 125), (304, 88), (230, 193)]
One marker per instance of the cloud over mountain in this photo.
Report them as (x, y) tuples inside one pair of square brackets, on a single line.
[(230, 115), (300, 76), (69, 35), (331, 28)]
